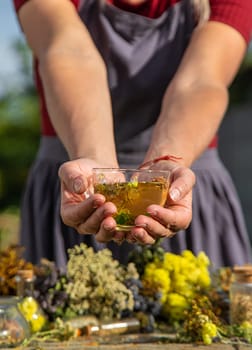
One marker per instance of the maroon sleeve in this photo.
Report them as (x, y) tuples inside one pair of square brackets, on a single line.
[(236, 13), (19, 3)]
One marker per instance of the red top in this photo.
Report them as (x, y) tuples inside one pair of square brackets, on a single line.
[(236, 13)]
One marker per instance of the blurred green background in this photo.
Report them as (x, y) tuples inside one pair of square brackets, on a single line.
[(19, 134)]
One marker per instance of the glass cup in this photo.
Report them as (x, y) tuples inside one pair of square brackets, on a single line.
[(132, 191)]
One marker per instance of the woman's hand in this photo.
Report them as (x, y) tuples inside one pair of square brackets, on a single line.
[(89, 213)]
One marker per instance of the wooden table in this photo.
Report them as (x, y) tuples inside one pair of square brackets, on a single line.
[(82, 346), (130, 342)]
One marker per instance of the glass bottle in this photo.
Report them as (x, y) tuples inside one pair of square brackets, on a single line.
[(241, 295), (14, 328), (28, 305), (131, 325)]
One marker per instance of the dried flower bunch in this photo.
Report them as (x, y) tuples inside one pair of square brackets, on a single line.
[(96, 285), (158, 288), (10, 263)]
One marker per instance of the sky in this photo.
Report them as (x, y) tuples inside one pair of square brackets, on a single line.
[(9, 31)]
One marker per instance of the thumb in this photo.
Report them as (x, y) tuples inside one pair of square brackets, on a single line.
[(73, 177), (183, 180)]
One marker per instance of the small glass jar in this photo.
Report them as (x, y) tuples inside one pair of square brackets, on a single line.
[(241, 295), (28, 305), (14, 329)]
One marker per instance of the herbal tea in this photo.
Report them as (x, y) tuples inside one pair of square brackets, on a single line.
[(132, 198)]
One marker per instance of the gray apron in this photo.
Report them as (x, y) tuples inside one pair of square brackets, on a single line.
[(141, 55)]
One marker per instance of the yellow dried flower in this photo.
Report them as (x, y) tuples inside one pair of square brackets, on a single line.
[(175, 306), (179, 278), (209, 331)]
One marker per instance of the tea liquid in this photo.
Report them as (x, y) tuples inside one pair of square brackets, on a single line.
[(132, 198)]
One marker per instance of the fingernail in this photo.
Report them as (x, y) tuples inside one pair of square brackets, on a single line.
[(152, 213), (144, 226), (175, 194), (77, 185), (108, 227), (131, 240), (107, 212), (97, 203)]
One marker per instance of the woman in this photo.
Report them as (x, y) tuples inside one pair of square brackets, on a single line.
[(125, 82)]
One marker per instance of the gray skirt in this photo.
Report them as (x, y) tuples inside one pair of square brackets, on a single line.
[(217, 226)]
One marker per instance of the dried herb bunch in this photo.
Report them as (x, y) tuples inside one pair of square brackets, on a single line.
[(95, 283), (11, 262)]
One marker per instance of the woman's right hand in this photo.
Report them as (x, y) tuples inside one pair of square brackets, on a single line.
[(88, 213)]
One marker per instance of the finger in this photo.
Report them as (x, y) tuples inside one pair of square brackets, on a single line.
[(176, 216), (140, 235), (107, 231), (154, 228), (182, 182), (93, 222), (173, 229), (73, 211)]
